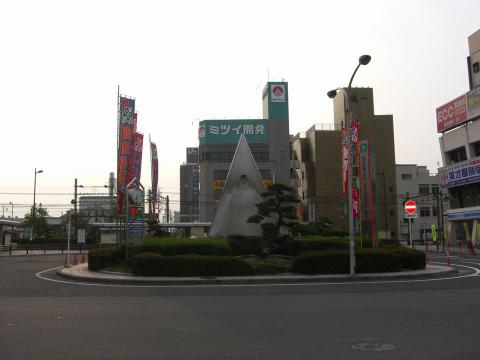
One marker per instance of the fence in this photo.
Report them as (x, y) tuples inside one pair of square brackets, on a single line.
[(27, 249)]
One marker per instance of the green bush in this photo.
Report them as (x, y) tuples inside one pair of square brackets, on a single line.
[(322, 262), (245, 245), (366, 261), (296, 247), (153, 264), (410, 258), (101, 258), (377, 260), (182, 246)]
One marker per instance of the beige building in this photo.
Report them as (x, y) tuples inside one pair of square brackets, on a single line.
[(319, 151)]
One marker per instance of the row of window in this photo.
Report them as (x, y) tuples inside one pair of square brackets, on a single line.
[(222, 174), (423, 188), (227, 156), (460, 154)]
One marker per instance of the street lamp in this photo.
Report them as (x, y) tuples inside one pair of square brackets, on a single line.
[(12, 207), (76, 186), (363, 60), (32, 234)]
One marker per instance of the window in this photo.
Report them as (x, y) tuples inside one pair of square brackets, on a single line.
[(406, 176), (424, 188), (260, 155), (457, 155), (434, 211), (220, 174), (476, 148), (434, 188), (424, 211), (218, 156)]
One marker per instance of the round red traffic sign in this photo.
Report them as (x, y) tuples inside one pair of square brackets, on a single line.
[(410, 207)]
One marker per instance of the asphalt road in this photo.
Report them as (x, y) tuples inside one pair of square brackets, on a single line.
[(429, 319)]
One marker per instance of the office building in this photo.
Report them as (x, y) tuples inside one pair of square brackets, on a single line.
[(268, 139), (459, 125), (416, 183), (189, 187), (320, 172)]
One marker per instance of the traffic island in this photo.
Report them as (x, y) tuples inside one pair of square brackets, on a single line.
[(80, 273)]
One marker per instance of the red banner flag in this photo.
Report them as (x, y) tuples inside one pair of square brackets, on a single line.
[(154, 160), (125, 138)]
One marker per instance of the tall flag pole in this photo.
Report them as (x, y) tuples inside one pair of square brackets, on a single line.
[(125, 139), (154, 167)]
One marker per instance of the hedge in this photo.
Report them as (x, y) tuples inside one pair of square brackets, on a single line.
[(101, 258), (182, 246), (296, 247), (366, 261), (153, 264)]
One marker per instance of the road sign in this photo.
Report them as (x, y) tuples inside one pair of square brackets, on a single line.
[(410, 207), (81, 236), (410, 216)]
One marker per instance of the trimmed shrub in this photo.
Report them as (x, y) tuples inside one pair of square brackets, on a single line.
[(410, 258), (377, 260), (101, 258), (268, 268), (366, 261), (322, 262), (153, 264), (296, 247), (182, 246), (245, 245)]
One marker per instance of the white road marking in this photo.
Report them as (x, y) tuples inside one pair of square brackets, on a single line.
[(476, 273)]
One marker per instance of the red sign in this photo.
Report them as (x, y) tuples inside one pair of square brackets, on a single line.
[(410, 207), (452, 114)]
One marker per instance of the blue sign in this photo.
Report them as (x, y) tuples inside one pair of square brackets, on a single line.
[(135, 228)]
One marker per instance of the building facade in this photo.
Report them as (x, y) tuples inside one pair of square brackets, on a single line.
[(459, 125), (416, 183), (320, 172), (268, 139), (189, 187)]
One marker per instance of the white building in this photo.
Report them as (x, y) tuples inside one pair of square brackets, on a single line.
[(458, 121), (416, 183)]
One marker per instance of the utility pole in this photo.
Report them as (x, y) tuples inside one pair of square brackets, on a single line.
[(168, 210), (75, 211)]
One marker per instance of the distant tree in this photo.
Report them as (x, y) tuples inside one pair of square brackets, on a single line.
[(42, 229), (277, 215), (82, 222)]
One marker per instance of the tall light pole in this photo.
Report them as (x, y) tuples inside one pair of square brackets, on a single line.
[(363, 60), (32, 234), (12, 207)]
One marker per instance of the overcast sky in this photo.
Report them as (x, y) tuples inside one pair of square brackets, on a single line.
[(61, 63)]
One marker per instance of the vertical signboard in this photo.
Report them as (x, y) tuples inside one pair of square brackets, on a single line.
[(344, 171), (126, 123), (354, 141), (368, 191), (154, 173)]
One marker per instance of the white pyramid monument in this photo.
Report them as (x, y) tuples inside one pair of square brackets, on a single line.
[(240, 194)]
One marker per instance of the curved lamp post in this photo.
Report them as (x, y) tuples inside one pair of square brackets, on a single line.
[(32, 234), (363, 60)]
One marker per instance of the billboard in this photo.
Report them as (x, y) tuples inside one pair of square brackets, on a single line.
[(473, 103), (125, 138), (229, 131), (458, 111), (460, 173)]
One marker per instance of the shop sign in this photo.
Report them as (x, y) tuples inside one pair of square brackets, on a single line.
[(229, 131)]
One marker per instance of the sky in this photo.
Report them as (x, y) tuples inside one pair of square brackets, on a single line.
[(61, 63)]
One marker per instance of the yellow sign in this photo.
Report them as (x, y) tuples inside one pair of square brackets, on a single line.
[(434, 233), (267, 182), (218, 184)]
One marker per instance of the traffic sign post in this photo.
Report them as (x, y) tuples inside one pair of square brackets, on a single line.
[(410, 213)]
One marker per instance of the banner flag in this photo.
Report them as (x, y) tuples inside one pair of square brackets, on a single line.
[(154, 161), (125, 133)]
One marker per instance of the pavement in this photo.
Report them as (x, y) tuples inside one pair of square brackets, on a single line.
[(81, 273)]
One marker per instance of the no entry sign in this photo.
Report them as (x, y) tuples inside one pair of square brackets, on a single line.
[(410, 207)]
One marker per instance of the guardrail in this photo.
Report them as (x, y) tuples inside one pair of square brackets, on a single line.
[(36, 248)]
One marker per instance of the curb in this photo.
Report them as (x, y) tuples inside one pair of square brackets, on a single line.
[(109, 278)]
